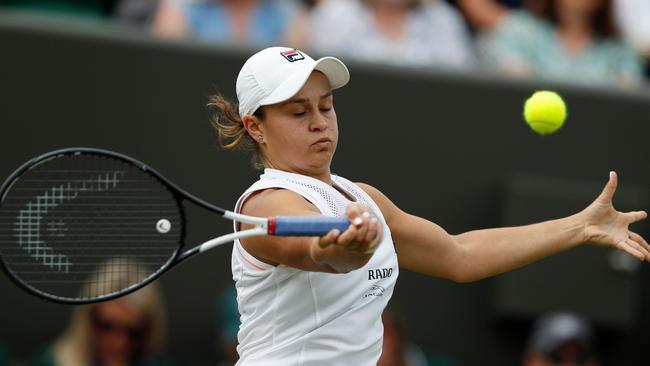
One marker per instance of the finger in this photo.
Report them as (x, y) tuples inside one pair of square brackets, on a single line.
[(371, 234), (640, 246), (374, 236), (639, 239), (608, 192), (353, 212), (347, 236), (626, 247), (363, 228), (361, 224), (356, 218), (329, 238), (635, 216)]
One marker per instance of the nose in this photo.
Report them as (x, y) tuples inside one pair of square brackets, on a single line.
[(318, 122)]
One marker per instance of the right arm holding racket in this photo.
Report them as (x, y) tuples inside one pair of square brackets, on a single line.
[(336, 252), (426, 248)]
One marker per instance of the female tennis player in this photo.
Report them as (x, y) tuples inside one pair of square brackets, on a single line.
[(318, 301)]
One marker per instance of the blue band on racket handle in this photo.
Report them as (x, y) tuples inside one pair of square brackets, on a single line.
[(306, 225)]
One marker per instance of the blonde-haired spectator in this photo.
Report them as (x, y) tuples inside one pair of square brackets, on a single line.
[(128, 331)]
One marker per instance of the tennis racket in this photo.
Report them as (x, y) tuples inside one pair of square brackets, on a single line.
[(83, 225)]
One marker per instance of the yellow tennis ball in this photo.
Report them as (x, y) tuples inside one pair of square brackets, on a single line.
[(545, 112)]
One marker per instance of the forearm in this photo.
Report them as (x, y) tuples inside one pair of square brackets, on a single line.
[(484, 253)]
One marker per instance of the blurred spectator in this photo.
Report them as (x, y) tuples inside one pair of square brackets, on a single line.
[(484, 15), (87, 8), (257, 23), (128, 331), (401, 32), (228, 324), (565, 40), (561, 339), (397, 350), (633, 17), (479, 12)]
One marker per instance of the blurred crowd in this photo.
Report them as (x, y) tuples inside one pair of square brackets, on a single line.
[(131, 331), (593, 42)]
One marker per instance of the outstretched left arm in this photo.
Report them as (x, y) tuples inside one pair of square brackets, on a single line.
[(425, 247)]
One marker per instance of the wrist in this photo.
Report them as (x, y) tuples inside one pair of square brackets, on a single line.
[(579, 224)]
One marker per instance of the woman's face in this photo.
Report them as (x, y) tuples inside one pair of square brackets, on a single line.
[(300, 135), (119, 331)]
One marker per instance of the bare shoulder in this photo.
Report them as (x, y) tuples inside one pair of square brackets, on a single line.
[(277, 201), (387, 207), (373, 192)]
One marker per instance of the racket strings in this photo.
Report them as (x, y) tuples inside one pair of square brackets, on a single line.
[(87, 226)]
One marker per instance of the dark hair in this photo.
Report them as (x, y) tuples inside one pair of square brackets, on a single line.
[(602, 22), (231, 133)]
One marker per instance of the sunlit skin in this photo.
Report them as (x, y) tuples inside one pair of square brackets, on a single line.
[(118, 332)]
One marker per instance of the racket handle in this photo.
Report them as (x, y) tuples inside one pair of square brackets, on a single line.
[(306, 225)]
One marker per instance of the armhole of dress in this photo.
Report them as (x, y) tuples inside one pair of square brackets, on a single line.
[(250, 260), (363, 196)]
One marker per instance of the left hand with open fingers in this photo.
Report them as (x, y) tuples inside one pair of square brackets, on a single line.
[(608, 227)]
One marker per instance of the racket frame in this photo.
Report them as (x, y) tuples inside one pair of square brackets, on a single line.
[(261, 223)]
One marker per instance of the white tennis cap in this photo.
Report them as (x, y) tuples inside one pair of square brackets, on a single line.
[(276, 74)]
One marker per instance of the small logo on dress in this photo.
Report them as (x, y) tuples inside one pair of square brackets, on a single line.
[(292, 55), (374, 291)]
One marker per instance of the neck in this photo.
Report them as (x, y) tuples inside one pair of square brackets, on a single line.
[(322, 174)]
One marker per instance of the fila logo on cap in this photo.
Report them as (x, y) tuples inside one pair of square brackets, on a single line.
[(292, 55)]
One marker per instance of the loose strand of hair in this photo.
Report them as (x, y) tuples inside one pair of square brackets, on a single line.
[(229, 126)]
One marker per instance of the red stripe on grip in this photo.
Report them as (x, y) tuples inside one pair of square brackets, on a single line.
[(271, 226)]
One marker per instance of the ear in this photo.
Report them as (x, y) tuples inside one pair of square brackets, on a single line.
[(253, 126)]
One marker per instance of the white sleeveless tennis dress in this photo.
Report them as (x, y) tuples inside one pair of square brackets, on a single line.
[(291, 317)]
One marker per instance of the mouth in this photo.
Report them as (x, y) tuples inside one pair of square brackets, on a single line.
[(324, 140)]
